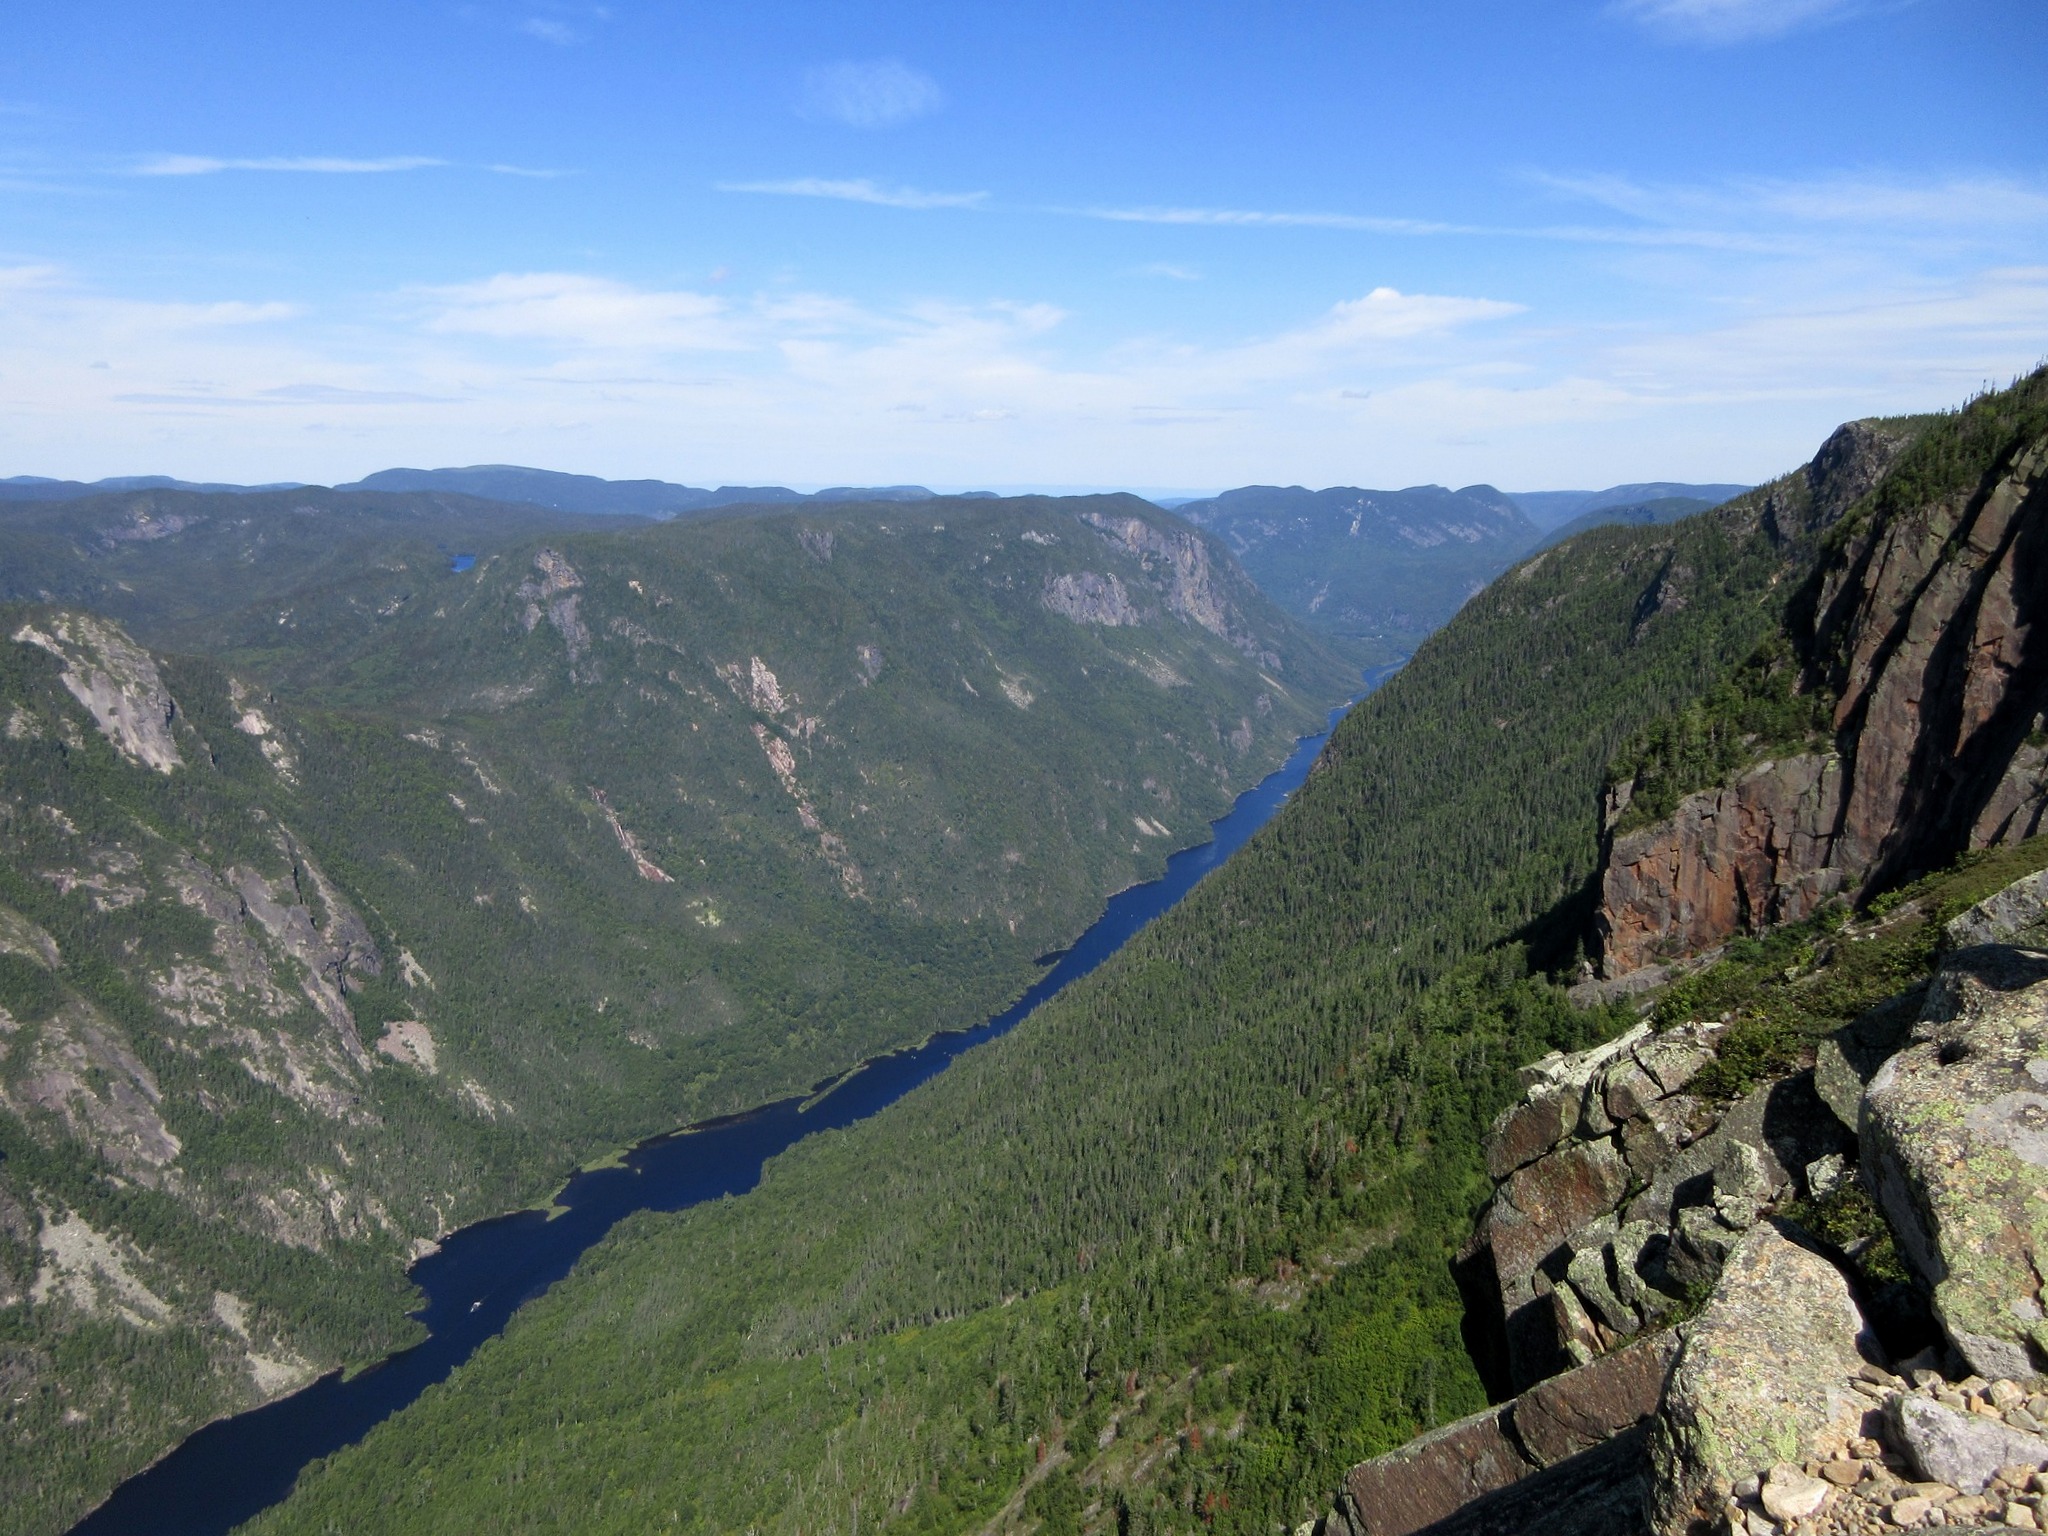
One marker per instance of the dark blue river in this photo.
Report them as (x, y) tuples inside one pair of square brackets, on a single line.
[(233, 1469)]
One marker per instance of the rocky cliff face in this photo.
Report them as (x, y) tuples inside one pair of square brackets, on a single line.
[(1922, 626), (1813, 1198)]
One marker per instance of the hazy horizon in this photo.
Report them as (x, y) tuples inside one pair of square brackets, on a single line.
[(1566, 244)]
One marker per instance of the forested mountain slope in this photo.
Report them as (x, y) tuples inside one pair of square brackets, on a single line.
[(1660, 509), (430, 884), (1377, 569), (162, 560), (1177, 1250), (1551, 510)]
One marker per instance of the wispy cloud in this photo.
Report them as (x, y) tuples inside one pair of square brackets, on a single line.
[(320, 165), (533, 172), (1254, 218), (1179, 274), (1578, 234), (593, 313), (1721, 22), (1384, 386), (283, 395), (874, 93), (859, 190), (1857, 201), (560, 33)]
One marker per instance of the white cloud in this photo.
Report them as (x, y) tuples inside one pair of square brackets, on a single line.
[(567, 309), (1178, 274), (869, 94), (559, 33), (1730, 21), (327, 165), (623, 378), (860, 190)]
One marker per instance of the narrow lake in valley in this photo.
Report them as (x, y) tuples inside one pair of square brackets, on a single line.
[(234, 1468)]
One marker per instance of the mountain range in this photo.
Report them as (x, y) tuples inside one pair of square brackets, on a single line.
[(370, 858), (1373, 571), (351, 891), (1199, 1235)]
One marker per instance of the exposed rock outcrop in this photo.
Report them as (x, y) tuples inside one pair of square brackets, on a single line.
[(1177, 560), (556, 595), (1616, 1190), (1086, 597), (116, 680), (1732, 860), (1538, 1457), (1922, 628), (1955, 1140), (1763, 1377)]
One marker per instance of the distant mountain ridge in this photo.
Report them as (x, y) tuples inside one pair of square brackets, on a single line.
[(41, 488), (1637, 514), (1378, 568), (1551, 510), (553, 489), (635, 498)]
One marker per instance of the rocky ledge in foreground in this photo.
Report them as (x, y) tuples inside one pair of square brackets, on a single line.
[(1693, 1357)]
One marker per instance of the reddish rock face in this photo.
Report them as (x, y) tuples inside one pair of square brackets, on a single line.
[(1923, 626), (1756, 853)]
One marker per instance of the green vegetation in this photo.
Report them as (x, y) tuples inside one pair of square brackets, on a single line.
[(1952, 452), (1177, 1250), (670, 819), (1751, 715), (1790, 989), (171, 563), (27, 990), (1658, 509), (730, 807), (1206, 1199)]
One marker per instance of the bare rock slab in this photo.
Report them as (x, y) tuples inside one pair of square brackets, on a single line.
[(1964, 1450), (1955, 1141), (1566, 1458), (1567, 1414), (1433, 1476), (1762, 1377)]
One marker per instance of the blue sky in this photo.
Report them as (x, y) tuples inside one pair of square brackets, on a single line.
[(1164, 246)]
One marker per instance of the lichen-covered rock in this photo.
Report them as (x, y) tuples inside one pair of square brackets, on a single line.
[(1531, 1215), (1542, 1204), (1687, 1178), (1525, 1131), (1563, 1096), (1571, 1450), (1762, 1377), (2016, 915), (1955, 1141), (1847, 1060)]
